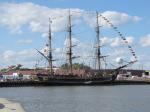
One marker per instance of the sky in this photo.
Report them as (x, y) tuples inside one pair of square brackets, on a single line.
[(24, 28)]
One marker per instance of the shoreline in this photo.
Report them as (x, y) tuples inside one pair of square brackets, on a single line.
[(46, 83), (10, 106)]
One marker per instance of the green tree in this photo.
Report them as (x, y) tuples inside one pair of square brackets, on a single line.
[(75, 66)]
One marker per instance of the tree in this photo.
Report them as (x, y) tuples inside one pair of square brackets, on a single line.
[(75, 66)]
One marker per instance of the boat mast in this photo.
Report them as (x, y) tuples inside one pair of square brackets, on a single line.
[(69, 51), (50, 61), (98, 50)]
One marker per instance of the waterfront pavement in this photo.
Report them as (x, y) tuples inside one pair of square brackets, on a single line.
[(9, 106)]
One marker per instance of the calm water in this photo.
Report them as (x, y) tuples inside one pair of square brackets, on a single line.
[(132, 98)]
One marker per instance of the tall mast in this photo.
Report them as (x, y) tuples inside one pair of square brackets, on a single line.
[(69, 51), (98, 51), (50, 49)]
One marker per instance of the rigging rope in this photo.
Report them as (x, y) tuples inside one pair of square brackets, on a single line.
[(121, 36), (112, 26)]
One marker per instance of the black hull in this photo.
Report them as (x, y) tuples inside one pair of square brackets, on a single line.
[(76, 80), (96, 81), (47, 83), (61, 83)]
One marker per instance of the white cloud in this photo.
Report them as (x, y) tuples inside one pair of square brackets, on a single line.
[(116, 18), (25, 41), (25, 57), (105, 40), (8, 55), (14, 16), (75, 41), (130, 39), (119, 41), (145, 41), (116, 41), (143, 62)]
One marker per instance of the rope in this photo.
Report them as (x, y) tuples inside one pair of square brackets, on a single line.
[(121, 36)]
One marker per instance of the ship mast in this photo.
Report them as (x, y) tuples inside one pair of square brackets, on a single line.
[(50, 61), (69, 51), (98, 50)]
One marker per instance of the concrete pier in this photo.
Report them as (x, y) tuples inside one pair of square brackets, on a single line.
[(9, 106)]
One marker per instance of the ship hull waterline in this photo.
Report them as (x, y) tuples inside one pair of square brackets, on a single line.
[(97, 81)]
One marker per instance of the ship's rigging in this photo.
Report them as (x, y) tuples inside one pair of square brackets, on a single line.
[(50, 49), (69, 51), (98, 45)]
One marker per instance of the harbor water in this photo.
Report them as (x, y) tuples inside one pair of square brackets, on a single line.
[(121, 98)]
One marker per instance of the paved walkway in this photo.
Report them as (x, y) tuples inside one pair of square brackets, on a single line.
[(8, 106)]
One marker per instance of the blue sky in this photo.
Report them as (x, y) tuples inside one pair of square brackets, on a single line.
[(24, 25)]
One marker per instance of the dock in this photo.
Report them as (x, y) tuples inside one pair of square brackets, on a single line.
[(9, 106)]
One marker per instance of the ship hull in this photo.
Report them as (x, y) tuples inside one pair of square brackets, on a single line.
[(97, 81), (69, 83)]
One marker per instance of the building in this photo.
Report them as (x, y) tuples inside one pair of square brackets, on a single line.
[(26, 74)]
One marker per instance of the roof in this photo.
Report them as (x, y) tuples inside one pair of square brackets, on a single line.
[(62, 72), (24, 72)]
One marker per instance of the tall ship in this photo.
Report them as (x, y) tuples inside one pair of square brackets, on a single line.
[(84, 76)]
